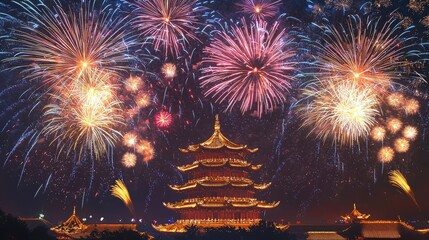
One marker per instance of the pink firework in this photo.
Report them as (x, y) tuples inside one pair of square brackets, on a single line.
[(250, 66), (167, 23), (163, 119), (260, 9)]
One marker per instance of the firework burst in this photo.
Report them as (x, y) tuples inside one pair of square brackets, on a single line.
[(129, 160), (163, 119), (386, 154), (169, 24), (394, 125), (85, 116), (343, 112), (401, 145), (145, 148), (130, 139), (378, 133), (411, 107), (369, 53), (410, 133), (169, 70), (62, 45), (249, 66), (260, 9)]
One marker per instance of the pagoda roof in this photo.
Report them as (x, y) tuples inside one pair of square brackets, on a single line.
[(72, 225), (355, 215), (217, 202), (217, 141), (382, 229), (219, 163), (219, 182)]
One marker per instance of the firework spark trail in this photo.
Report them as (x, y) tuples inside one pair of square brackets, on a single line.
[(250, 66), (168, 24), (399, 181), (120, 191), (60, 44)]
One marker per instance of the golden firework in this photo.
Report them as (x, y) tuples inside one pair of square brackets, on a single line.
[(401, 145), (410, 132), (143, 100), (378, 133), (169, 70), (395, 100), (343, 112), (133, 84), (386, 154), (394, 125), (129, 160), (129, 139), (145, 148), (411, 106)]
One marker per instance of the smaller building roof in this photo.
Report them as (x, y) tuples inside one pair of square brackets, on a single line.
[(319, 235), (355, 215), (218, 141)]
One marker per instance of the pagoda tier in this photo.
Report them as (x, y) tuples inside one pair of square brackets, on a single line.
[(220, 202), (219, 191)]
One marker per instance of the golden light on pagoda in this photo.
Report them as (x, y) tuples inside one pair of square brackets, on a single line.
[(410, 133), (129, 160), (129, 139), (386, 154), (169, 70), (395, 100), (133, 83), (394, 125), (411, 106), (401, 145), (378, 133)]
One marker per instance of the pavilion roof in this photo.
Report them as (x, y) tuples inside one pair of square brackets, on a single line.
[(217, 141)]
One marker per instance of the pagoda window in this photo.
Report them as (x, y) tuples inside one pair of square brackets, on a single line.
[(237, 215), (215, 215)]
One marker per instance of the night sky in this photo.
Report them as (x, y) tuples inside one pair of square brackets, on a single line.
[(315, 180)]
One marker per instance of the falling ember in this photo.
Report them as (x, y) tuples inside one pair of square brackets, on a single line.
[(129, 139), (411, 106), (133, 84), (120, 191), (386, 154), (163, 119), (394, 125), (395, 100), (401, 145), (169, 70), (410, 132), (378, 133), (129, 160)]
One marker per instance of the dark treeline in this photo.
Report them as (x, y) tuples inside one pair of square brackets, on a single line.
[(11, 228)]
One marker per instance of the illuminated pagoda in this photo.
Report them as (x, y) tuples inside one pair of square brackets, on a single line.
[(355, 216), (219, 191)]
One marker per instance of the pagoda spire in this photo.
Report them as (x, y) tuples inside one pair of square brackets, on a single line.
[(217, 123)]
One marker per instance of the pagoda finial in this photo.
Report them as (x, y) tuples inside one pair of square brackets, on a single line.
[(217, 123), (354, 206), (74, 210)]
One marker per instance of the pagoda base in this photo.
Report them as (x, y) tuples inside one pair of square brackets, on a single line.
[(180, 225)]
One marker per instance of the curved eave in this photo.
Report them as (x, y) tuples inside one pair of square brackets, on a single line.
[(172, 228), (196, 164), (262, 186), (199, 147), (179, 205)]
